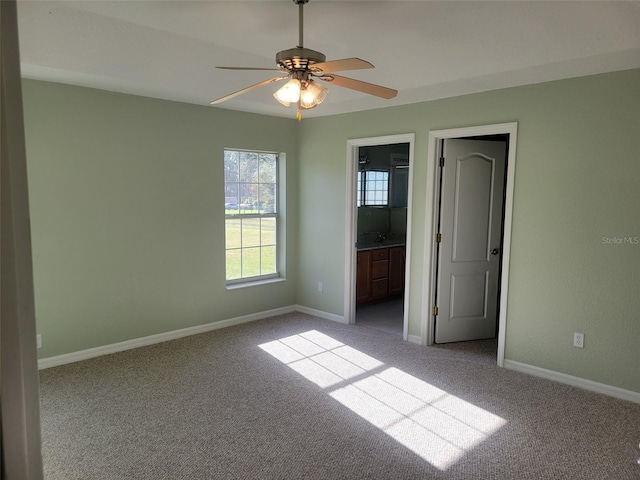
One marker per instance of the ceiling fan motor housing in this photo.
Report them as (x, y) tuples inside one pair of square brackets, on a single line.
[(298, 58)]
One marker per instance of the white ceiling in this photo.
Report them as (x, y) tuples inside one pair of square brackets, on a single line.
[(424, 49)]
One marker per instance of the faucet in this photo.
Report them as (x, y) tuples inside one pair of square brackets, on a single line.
[(381, 238)]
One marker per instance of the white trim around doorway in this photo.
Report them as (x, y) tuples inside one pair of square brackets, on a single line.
[(351, 222), (428, 322)]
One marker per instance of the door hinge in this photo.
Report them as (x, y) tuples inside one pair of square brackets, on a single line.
[(435, 310), (442, 161), (438, 237)]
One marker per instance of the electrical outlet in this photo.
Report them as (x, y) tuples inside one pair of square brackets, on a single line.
[(578, 340), (39, 341), (320, 287)]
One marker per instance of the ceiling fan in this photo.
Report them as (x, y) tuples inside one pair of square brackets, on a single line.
[(303, 67)]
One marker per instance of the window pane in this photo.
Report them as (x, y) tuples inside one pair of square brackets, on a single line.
[(231, 197), (267, 198), (231, 160), (268, 255), (248, 167), (231, 208), (251, 232), (230, 173), (373, 187), (250, 262), (268, 231), (248, 196), (232, 233), (233, 264), (267, 167)]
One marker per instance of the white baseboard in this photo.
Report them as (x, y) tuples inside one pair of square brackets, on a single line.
[(573, 381), (320, 313), (185, 332), (157, 338)]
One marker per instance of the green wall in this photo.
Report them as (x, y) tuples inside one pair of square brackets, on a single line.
[(126, 197), (128, 238), (577, 180)]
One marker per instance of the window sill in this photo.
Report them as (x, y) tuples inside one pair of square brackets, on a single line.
[(255, 283)]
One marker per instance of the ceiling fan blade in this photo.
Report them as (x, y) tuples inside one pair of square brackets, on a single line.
[(253, 68), (245, 90), (360, 86), (341, 65)]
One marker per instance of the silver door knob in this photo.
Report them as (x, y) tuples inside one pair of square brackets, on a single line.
[(494, 251)]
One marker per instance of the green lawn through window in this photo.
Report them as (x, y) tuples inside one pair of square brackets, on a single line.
[(257, 237)]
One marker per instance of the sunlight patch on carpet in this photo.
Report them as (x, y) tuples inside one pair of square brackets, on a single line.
[(437, 426)]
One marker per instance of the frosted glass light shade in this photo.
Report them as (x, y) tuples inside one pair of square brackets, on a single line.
[(289, 93), (313, 94)]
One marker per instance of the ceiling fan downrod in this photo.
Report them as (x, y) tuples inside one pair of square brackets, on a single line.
[(299, 58), (300, 4)]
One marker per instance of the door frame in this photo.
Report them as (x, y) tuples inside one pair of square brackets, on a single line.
[(351, 217), (428, 320)]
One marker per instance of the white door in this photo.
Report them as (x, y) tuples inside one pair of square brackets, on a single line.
[(470, 227)]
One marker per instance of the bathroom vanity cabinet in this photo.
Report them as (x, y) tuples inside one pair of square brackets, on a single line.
[(380, 273)]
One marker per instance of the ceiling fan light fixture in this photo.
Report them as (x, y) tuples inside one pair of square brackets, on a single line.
[(312, 94), (299, 65), (289, 93)]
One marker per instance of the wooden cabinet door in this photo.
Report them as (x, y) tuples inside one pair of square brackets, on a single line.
[(379, 269), (396, 270), (363, 276), (380, 288)]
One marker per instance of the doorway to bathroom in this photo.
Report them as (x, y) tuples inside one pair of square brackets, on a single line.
[(379, 185)]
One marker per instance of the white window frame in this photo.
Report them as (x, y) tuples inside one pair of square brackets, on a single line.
[(253, 279)]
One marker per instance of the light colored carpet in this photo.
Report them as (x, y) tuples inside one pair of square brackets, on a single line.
[(297, 397)]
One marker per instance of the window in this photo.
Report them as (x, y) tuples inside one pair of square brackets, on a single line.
[(373, 187), (251, 215)]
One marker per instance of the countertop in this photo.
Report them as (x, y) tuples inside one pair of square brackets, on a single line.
[(374, 245)]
